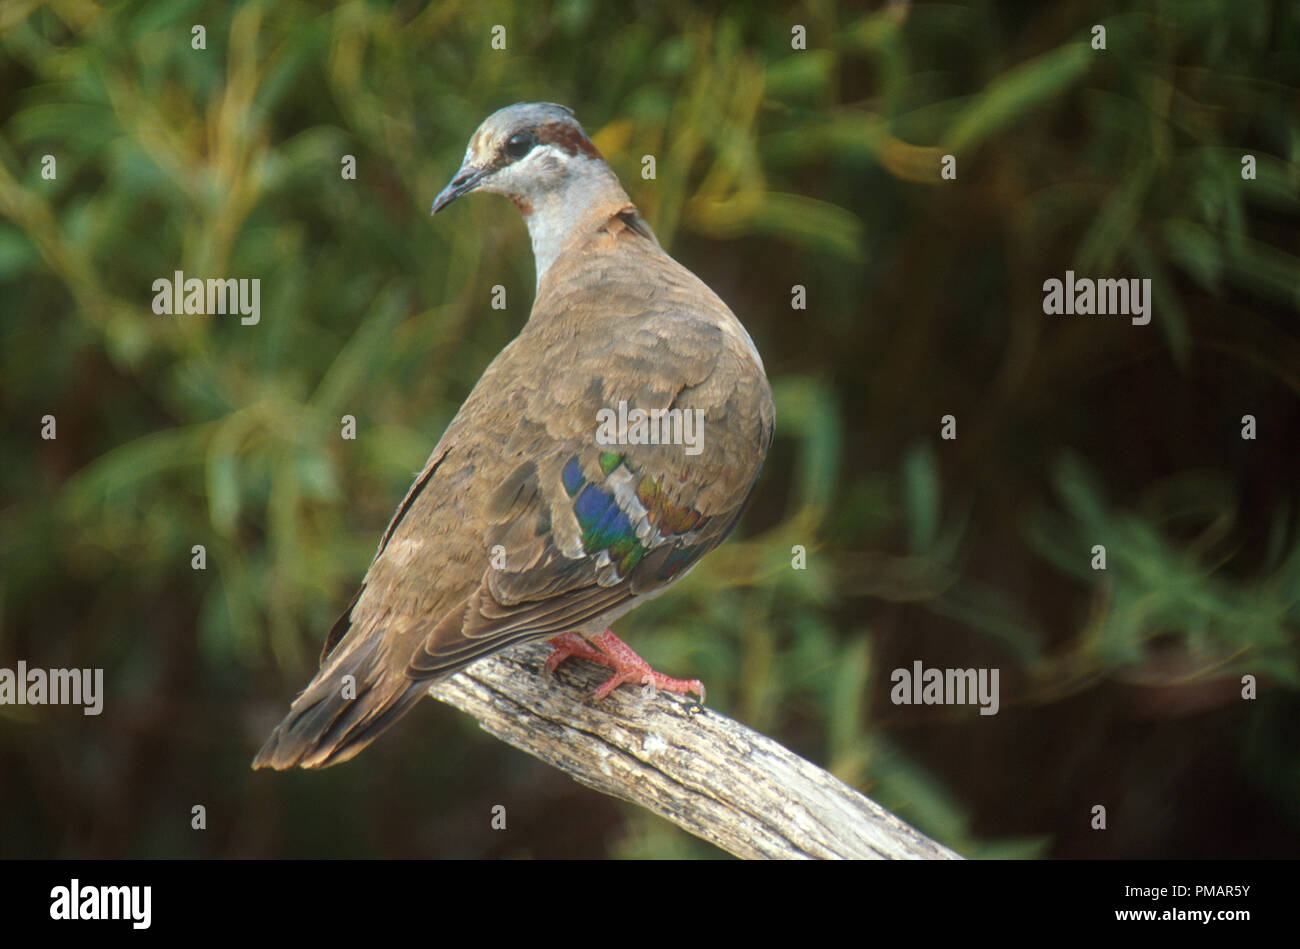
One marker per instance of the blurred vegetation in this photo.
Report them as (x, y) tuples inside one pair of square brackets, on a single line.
[(775, 167)]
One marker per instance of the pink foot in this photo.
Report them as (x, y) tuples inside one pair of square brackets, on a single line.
[(627, 665), (571, 644)]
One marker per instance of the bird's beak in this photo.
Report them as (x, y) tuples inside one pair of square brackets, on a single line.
[(466, 180)]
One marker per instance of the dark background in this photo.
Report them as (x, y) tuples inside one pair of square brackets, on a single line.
[(775, 168)]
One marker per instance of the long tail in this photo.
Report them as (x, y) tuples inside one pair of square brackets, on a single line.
[(335, 717)]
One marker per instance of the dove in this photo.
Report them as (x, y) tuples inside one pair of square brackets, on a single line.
[(603, 452)]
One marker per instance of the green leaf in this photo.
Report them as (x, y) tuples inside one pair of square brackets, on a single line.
[(920, 483), (1014, 93)]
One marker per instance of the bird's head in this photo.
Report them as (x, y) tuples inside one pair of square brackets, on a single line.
[(527, 152)]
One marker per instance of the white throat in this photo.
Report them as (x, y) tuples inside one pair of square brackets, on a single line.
[(555, 214)]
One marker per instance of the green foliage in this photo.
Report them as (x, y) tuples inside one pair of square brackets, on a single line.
[(1158, 592)]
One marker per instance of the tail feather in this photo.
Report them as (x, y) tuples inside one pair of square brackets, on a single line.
[(332, 720)]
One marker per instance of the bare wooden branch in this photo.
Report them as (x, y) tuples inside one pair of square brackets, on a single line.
[(699, 769)]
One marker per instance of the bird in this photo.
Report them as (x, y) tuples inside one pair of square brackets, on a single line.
[(552, 504)]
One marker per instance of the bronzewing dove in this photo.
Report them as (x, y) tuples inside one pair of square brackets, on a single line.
[(608, 447)]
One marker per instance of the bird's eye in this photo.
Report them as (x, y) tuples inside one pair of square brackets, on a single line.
[(520, 144)]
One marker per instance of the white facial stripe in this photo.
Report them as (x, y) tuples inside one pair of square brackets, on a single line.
[(544, 168)]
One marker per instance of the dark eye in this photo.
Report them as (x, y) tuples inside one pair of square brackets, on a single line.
[(520, 144)]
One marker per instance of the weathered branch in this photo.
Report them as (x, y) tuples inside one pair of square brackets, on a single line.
[(699, 769)]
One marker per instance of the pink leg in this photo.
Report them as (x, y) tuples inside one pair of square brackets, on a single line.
[(571, 644), (627, 665)]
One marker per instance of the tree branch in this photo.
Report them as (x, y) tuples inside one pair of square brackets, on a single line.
[(706, 773)]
